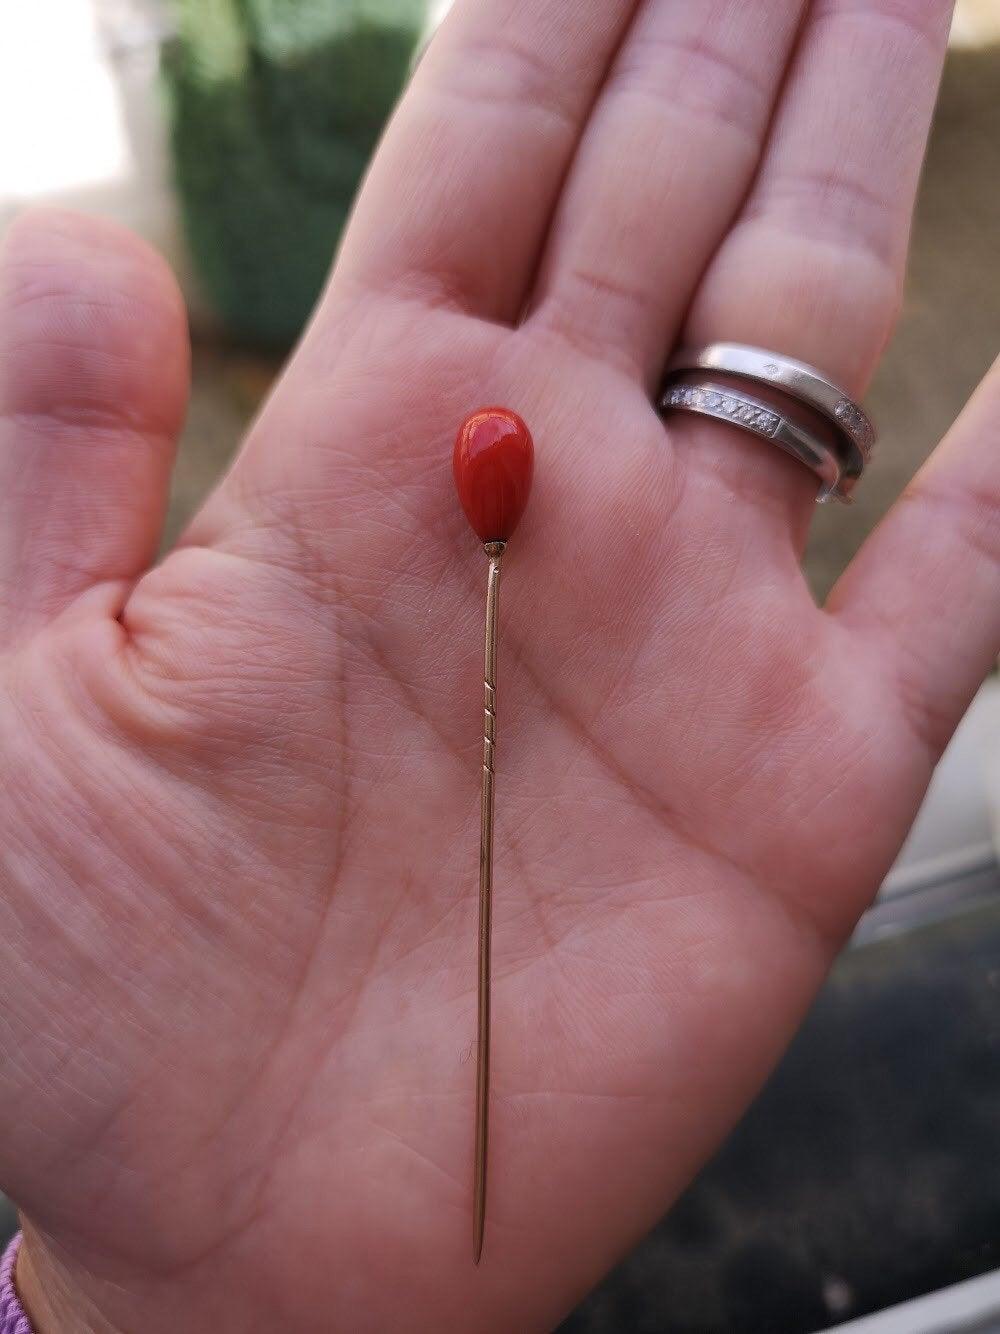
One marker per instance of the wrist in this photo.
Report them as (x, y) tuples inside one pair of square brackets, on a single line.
[(13, 1317), (52, 1302)]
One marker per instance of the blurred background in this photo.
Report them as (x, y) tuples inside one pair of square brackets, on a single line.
[(232, 134)]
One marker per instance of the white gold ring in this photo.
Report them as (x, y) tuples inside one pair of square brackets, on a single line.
[(712, 399), (807, 386)]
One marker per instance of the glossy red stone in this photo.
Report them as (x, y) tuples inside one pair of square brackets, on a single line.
[(494, 462)]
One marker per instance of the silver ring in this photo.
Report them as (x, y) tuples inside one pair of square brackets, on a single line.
[(801, 381), (711, 399)]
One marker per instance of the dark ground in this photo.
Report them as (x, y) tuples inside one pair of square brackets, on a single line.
[(867, 1171)]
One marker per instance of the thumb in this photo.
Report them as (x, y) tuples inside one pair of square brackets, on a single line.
[(93, 386)]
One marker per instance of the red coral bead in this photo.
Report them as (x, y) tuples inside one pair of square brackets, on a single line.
[(494, 461)]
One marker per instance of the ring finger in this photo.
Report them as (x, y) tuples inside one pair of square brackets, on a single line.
[(813, 267)]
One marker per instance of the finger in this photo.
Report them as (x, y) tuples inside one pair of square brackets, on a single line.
[(93, 384), (814, 266), (925, 587), (667, 156), (463, 186)]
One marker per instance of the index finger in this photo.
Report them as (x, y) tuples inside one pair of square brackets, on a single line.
[(461, 191)]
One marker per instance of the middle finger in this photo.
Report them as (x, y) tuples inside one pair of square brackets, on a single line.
[(666, 159)]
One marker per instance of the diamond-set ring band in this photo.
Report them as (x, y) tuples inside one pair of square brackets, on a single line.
[(853, 431), (712, 399)]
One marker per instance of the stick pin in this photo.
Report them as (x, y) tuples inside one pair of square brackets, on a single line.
[(493, 463)]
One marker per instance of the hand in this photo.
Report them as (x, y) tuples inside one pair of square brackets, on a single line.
[(240, 804)]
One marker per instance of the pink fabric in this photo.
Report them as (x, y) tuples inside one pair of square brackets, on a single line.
[(12, 1317)]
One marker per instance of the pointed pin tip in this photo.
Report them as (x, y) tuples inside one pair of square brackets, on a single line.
[(477, 1246)]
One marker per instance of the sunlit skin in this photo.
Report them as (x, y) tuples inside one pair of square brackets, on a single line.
[(239, 813)]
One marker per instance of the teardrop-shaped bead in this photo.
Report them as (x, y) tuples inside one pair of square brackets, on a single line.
[(494, 461)]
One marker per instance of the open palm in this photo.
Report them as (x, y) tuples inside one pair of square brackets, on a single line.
[(240, 804)]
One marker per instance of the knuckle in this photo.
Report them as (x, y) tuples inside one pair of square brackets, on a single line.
[(829, 204), (694, 76), (925, 20), (829, 301), (970, 510), (93, 325), (504, 74)]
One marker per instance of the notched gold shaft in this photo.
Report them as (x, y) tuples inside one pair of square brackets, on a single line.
[(494, 551)]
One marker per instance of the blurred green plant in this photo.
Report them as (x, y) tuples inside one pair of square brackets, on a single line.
[(275, 108)]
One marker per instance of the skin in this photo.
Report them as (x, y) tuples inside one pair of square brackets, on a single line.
[(239, 810)]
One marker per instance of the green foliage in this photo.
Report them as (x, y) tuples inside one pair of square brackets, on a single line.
[(276, 106)]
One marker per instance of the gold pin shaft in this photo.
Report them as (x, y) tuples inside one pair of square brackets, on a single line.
[(494, 551)]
